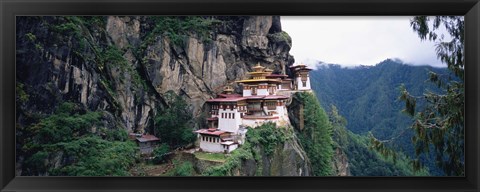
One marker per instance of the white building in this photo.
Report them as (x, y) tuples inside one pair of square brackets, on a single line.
[(302, 77), (259, 103), (216, 141)]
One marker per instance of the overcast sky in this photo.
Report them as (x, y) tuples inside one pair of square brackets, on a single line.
[(350, 41)]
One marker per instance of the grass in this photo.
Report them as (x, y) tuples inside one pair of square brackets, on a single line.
[(217, 157)]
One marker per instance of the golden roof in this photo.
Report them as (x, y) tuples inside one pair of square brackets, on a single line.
[(228, 89), (258, 80), (258, 68)]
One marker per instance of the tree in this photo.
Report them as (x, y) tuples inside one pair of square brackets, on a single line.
[(63, 144), (316, 138), (173, 125), (440, 124), (160, 153), (339, 123)]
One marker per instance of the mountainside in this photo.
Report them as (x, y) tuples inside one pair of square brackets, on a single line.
[(122, 68), (367, 96)]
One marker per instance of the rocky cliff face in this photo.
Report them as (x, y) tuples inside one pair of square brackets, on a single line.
[(124, 65), (120, 65), (341, 166), (287, 159)]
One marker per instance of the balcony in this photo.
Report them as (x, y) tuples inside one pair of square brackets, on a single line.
[(254, 109)]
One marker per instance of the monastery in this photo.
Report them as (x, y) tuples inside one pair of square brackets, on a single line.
[(264, 99)]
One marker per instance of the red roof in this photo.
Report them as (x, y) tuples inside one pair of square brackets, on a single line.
[(147, 138), (267, 97), (210, 131), (223, 95), (300, 66), (230, 99), (212, 119), (259, 117)]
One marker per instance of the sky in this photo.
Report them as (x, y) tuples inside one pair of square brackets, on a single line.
[(352, 41)]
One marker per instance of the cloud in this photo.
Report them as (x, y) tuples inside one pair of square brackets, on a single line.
[(351, 41)]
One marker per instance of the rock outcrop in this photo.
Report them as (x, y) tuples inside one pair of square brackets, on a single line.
[(76, 59), (341, 166), (288, 159), (124, 65)]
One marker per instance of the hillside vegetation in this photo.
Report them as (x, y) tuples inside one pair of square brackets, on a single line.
[(368, 98)]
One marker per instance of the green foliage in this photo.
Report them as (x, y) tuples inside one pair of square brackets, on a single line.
[(265, 138), (366, 161), (115, 135), (233, 161), (173, 125), (94, 21), (177, 29), (69, 121), (160, 152), (362, 158), (105, 56), (21, 95), (339, 123), (31, 37), (184, 169), (368, 98), (280, 37), (66, 137), (93, 156), (268, 136), (111, 55), (69, 27), (316, 138), (108, 86), (218, 157), (449, 52), (440, 125)]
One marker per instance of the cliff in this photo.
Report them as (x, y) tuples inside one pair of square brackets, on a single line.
[(124, 66), (268, 151), (315, 131)]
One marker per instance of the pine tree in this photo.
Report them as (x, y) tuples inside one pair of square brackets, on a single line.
[(173, 125), (440, 125)]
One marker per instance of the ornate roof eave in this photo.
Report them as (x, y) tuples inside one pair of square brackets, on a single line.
[(258, 80)]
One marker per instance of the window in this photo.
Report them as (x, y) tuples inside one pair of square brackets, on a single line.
[(304, 83), (233, 115)]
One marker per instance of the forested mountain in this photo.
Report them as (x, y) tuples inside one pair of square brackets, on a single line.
[(367, 96)]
